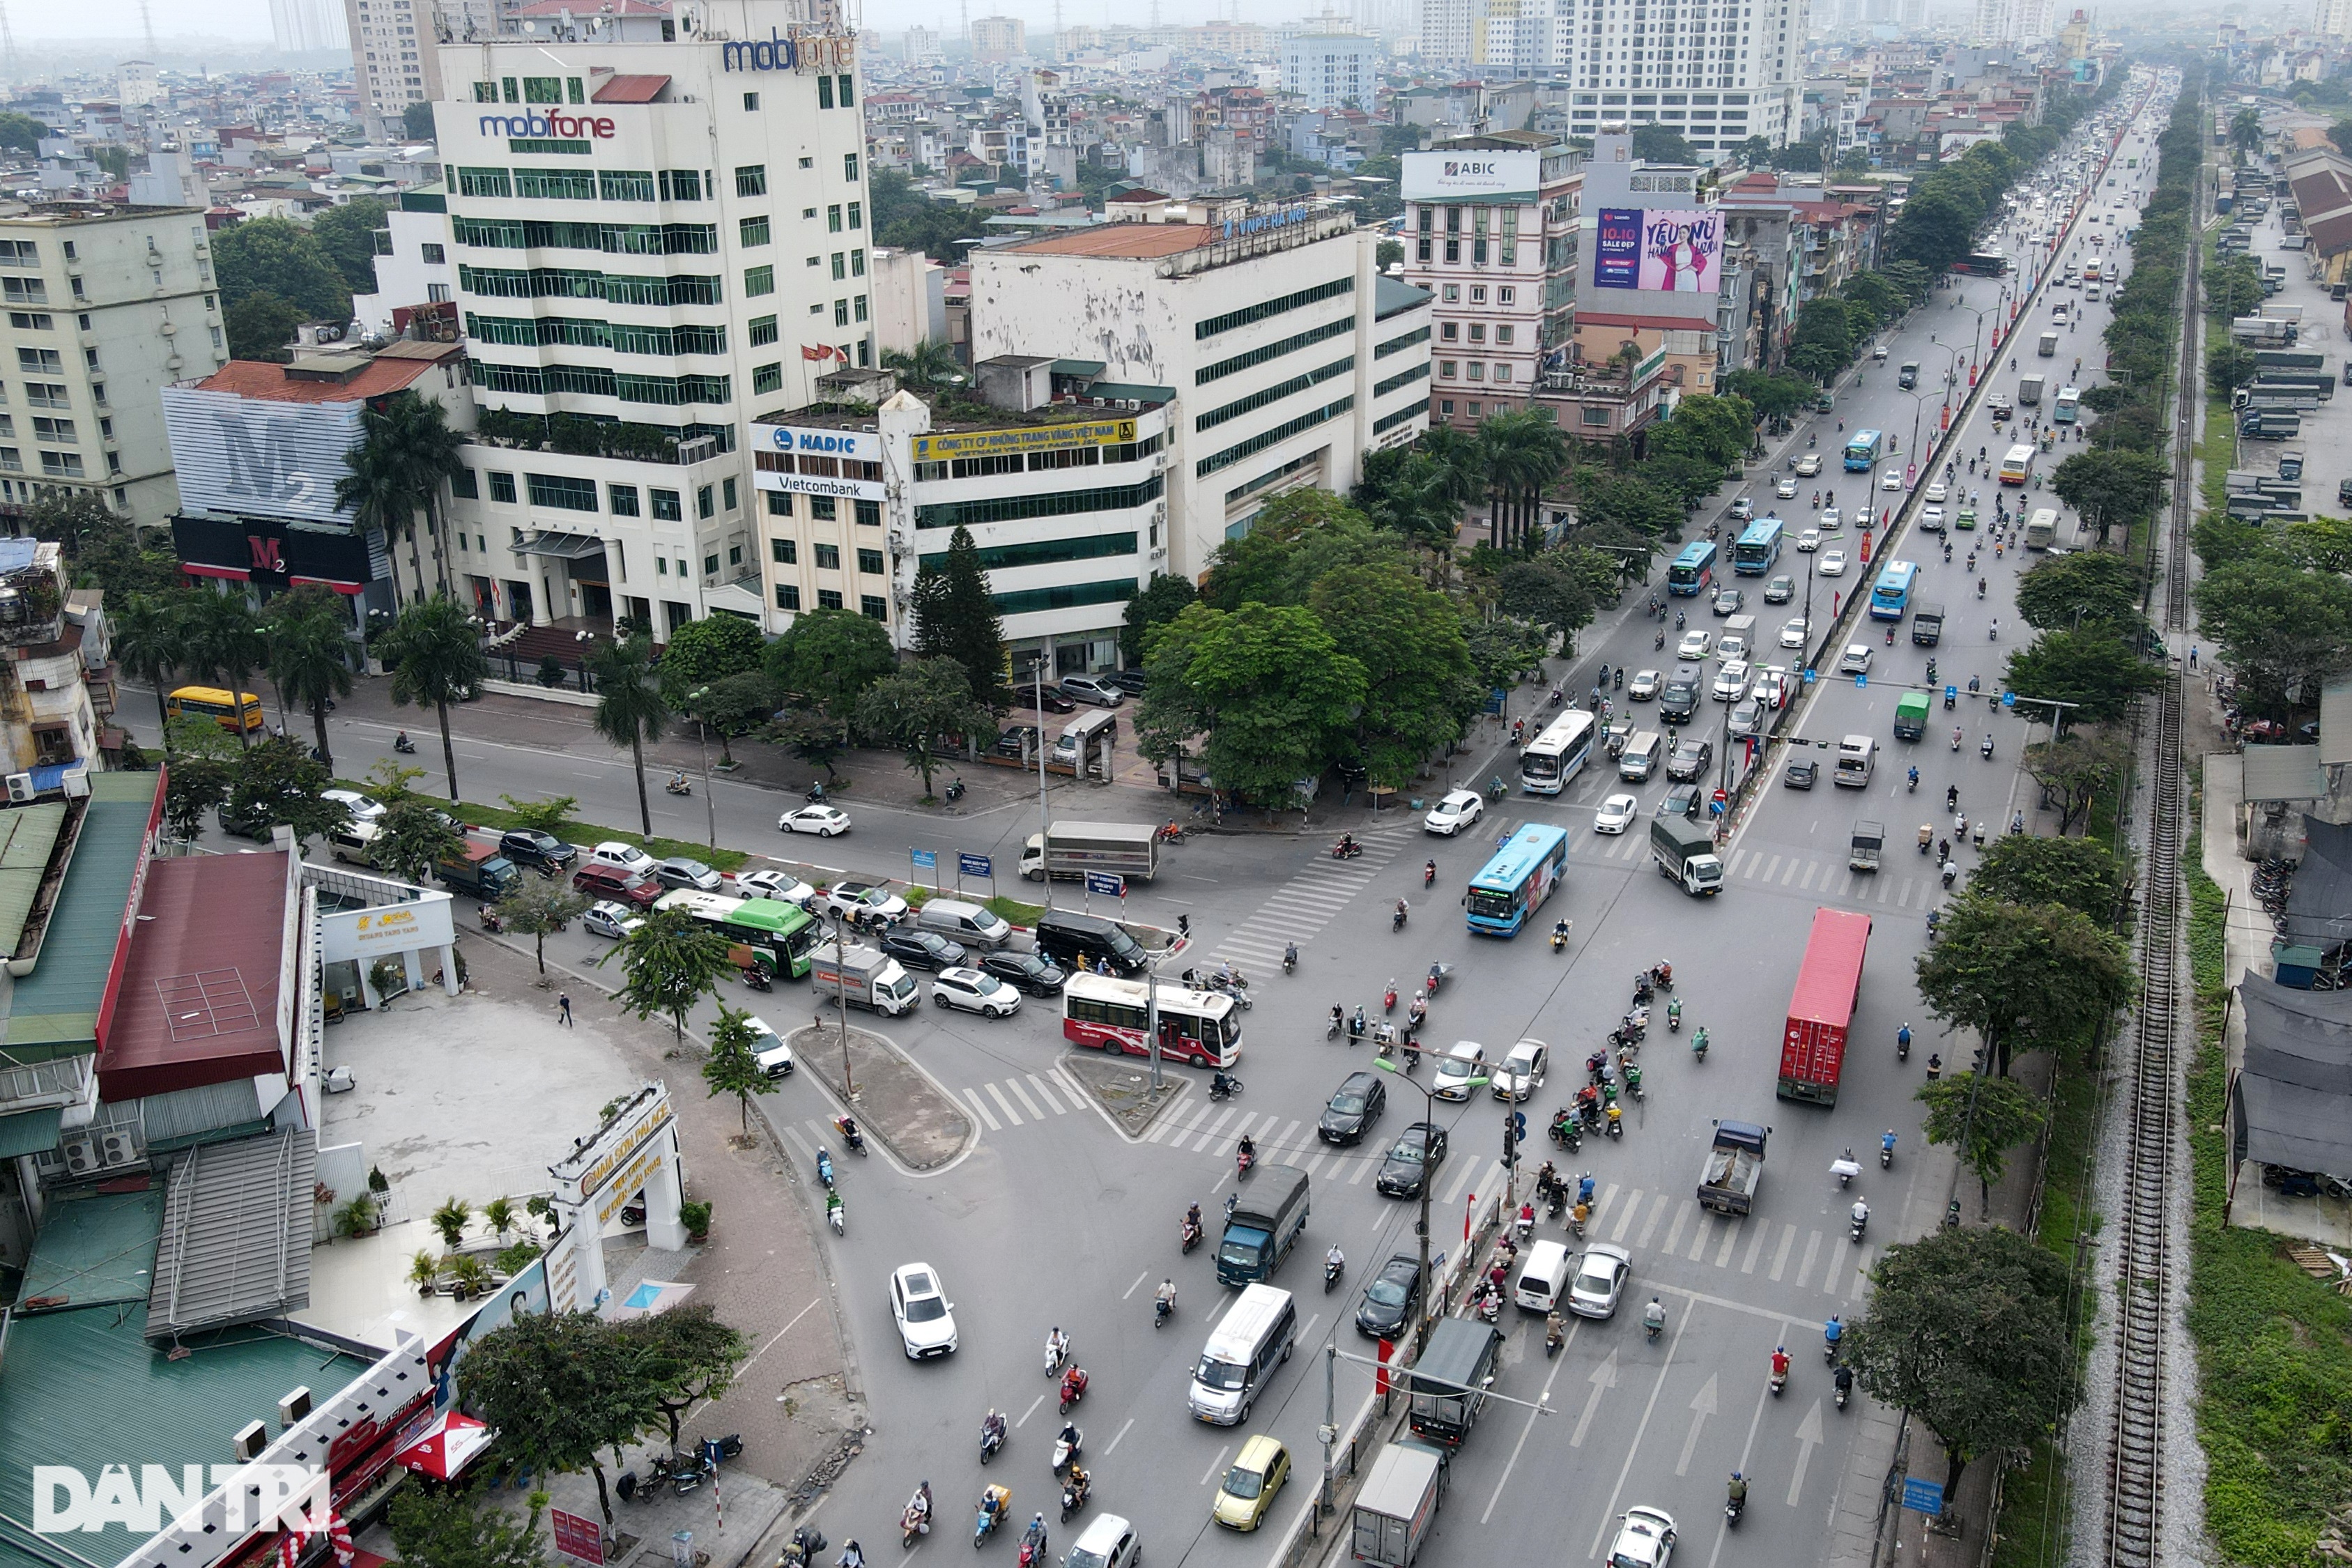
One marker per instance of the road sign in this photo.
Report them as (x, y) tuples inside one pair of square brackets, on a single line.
[(926, 859), (975, 866), (1519, 1125), (1861, 678), (1923, 1497), (2009, 698), (1721, 795), (1108, 883)]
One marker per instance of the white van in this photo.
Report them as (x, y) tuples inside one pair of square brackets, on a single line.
[(1641, 758), (1857, 759), (1543, 1277), (1084, 730), (354, 843), (1242, 1352), (971, 925)]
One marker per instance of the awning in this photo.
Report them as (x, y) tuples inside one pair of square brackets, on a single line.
[(236, 1243), (2336, 722), (734, 599), (553, 542), (2283, 772), (447, 1446), (52, 775), (30, 1131), (2292, 1100)]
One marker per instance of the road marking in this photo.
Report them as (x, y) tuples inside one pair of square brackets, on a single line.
[(1139, 1278), (1315, 1160), (1031, 1411), (1023, 1096), (1808, 1437), (1068, 1084), (1462, 1179), (1860, 1270), (1723, 1253), (1698, 1238), (1657, 1213), (1634, 1447), (1780, 1258), (1047, 1095), (1543, 1402), (1308, 1332), (1364, 1169), (1113, 1442), (1702, 1405), (1772, 867), (1608, 1200), (1603, 1379), (1215, 1134), (980, 1106), (1216, 1465), (1812, 1248), (1287, 1133), (1807, 884), (1675, 1234), (1903, 899), (1757, 1229), (1626, 1216), (1789, 875), (1006, 1105)]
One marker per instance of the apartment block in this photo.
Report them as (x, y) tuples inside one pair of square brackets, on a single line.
[(1330, 70), (1715, 72), (393, 60)]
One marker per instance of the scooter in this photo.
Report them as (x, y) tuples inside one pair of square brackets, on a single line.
[(678, 786), (1191, 1236), (1244, 1160), (850, 1134), (1067, 1449), (1698, 1043), (1074, 1387), (955, 789), (1844, 1385), (824, 1169), (1162, 1309), (1290, 959), (915, 1521), (1778, 1383), (1555, 1336), (1674, 1017), (755, 975), (1986, 748), (837, 1213), (1074, 1498), (1388, 998), (1735, 1507), (1332, 1269), (1559, 940), (989, 1518), (404, 745), (1396, 919), (1346, 849)]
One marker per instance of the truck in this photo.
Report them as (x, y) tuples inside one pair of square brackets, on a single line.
[(2275, 399), (1911, 716), (479, 869), (1868, 843), (1820, 1008), (1067, 850), (1908, 377), (1447, 1388), (1396, 1505), (2270, 426), (1684, 852), (1734, 1168), (2317, 382), (1263, 1225), (862, 977), (2029, 391), (1928, 624), (2048, 348), (2263, 331), (2289, 359), (2278, 312), (1739, 631)]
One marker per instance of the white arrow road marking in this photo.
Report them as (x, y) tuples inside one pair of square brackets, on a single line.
[(1604, 1378), (1808, 1437), (1702, 1405), (1542, 1399)]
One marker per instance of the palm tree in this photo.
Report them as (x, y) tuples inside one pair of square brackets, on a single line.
[(407, 454), (151, 641), (309, 655), (434, 654), (225, 645), (932, 364), (629, 707)]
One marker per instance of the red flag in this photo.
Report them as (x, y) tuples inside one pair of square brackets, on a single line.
[(821, 352)]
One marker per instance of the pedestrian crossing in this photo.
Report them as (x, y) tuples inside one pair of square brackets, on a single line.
[(1831, 880), (1299, 909)]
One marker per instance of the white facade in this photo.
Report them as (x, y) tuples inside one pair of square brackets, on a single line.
[(1497, 251), (1716, 73), (392, 58), (415, 271), (1330, 70)]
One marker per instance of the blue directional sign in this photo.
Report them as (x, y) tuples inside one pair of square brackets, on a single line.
[(928, 859), (1861, 678), (1519, 1125), (1108, 883), (2009, 698), (975, 866), (1923, 1497)]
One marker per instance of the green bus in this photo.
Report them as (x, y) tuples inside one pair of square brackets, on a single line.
[(785, 934)]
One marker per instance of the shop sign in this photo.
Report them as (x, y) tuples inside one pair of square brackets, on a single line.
[(1029, 438)]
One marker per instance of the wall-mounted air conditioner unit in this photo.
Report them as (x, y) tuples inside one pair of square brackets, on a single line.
[(117, 1147), (20, 789), (80, 1156)]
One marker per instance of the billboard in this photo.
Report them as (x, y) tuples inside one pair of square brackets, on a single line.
[(1471, 176), (1664, 251), (1028, 438), (247, 458)]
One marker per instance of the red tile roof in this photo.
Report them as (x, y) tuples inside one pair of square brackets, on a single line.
[(630, 89), (197, 1002), (385, 374)]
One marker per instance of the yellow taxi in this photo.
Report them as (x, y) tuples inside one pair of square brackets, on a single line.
[(1248, 1488)]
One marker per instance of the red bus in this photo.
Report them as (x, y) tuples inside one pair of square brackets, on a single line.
[(1198, 1026), (1812, 1045)]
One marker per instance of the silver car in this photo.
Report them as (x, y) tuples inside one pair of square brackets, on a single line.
[(1599, 1280)]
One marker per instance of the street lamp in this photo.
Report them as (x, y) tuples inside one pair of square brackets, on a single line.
[(1038, 673), (1388, 1064)]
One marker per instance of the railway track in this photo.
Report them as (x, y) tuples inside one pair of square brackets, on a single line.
[(2144, 1250)]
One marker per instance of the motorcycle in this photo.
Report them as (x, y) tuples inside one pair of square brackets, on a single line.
[(1346, 849), (1290, 959), (837, 1213), (1388, 998), (955, 789), (756, 976), (915, 1521), (1674, 1017), (850, 1134), (1357, 1026), (1859, 1222), (1074, 1498), (404, 745), (824, 1169), (1225, 1086), (1429, 876), (678, 786), (1555, 1336), (1396, 919), (1057, 1351), (1332, 1269), (989, 1518), (814, 795), (1845, 1386), (1437, 974), (1735, 1507), (1067, 1449), (1244, 1160), (1559, 939), (1986, 748), (1162, 1309), (1844, 1168), (1191, 1236), (1074, 1387), (1496, 788), (1779, 1381), (992, 1439), (1698, 1043)]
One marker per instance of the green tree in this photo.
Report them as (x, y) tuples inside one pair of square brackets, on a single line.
[(348, 234), (537, 906), (2283, 630), (684, 1355), (406, 455), (1502, 650), (2024, 977), (277, 255), (410, 838), (2089, 588), (2246, 132), (956, 618), (197, 783), (709, 650), (416, 123), (1295, 539), (1822, 344), (1969, 1331), (434, 654), (668, 964), (559, 1388), (2234, 289), (1420, 688), (629, 707), (550, 815), (1162, 599), (309, 637), (2072, 769), (918, 707), (1771, 396), (260, 326), (1982, 1120), (1559, 589), (452, 1528), (2092, 669), (1934, 230), (21, 132), (276, 781), (150, 643), (1273, 689), (1656, 143), (2110, 488), (225, 644), (2028, 868), (1715, 430), (930, 366), (812, 737), (828, 657), (737, 706), (733, 1066)]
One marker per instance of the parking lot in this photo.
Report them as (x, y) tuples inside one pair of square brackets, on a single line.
[(2326, 452)]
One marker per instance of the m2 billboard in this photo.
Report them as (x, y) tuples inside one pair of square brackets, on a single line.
[(243, 456), (1664, 250)]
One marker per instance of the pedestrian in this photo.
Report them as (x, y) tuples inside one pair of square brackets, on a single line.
[(563, 1010), (2192, 655)]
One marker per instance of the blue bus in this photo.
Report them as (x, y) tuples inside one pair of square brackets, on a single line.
[(1891, 594), (1862, 453), (1694, 570), (1528, 869), (1757, 548)]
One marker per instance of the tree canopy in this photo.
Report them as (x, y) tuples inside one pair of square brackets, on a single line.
[(275, 256)]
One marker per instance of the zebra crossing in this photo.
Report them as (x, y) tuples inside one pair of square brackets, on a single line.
[(1299, 909), (1012, 1101), (1830, 880)]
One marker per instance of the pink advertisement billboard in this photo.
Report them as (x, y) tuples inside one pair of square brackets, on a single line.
[(1658, 250)]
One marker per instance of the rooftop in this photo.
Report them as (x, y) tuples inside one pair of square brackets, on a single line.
[(329, 378), (1126, 241), (630, 89), (197, 1002), (27, 835), (57, 1005)]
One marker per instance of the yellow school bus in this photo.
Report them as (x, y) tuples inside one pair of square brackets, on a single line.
[(213, 702)]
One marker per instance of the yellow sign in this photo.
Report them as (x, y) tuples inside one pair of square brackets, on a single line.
[(1029, 438)]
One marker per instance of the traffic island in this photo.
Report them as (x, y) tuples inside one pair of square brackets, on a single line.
[(894, 1102), (1122, 1086)]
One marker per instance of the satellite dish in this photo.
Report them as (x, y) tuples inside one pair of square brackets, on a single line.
[(531, 26)]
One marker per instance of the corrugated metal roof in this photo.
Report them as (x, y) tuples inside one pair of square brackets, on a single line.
[(2283, 772), (236, 1246), (28, 835), (2336, 723), (184, 1113), (57, 1005), (95, 1247), (30, 1131)]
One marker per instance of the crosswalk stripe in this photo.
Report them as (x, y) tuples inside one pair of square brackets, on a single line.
[(1860, 1270), (1022, 1095), (1813, 1249), (1627, 1216), (1215, 1133), (1772, 867), (980, 1106), (1807, 884), (1789, 875), (1047, 1095), (1462, 1180), (1068, 1086), (1723, 1253), (1288, 1133), (1364, 1169), (1698, 1239), (1315, 1160), (1754, 1244), (1650, 1227), (1780, 1256), (1675, 1236), (1004, 1105)]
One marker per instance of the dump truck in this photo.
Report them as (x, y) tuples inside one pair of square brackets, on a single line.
[(1734, 1168), (481, 870), (1264, 1224), (862, 977), (1928, 624), (1067, 850), (1869, 842), (1396, 1505), (1685, 851)]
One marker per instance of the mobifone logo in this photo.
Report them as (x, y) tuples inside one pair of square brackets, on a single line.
[(258, 1496)]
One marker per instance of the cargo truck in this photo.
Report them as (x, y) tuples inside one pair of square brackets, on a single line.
[(1685, 851), (479, 869), (2048, 347), (2317, 382), (2289, 359), (1396, 1507), (1911, 716), (2029, 391), (1447, 1386), (1820, 1009), (2270, 426), (2261, 331), (1867, 844), (1928, 624), (1066, 851), (1734, 1169), (862, 977), (1738, 639), (1264, 1224)]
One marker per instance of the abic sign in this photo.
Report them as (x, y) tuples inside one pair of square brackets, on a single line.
[(545, 124)]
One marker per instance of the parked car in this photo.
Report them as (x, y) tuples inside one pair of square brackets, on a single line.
[(1095, 689), (362, 808), (628, 856), (1131, 682), (598, 880), (1049, 699), (529, 846), (1014, 738)]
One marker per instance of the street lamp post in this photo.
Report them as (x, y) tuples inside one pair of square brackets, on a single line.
[(1037, 671), (703, 739), (1420, 1225)]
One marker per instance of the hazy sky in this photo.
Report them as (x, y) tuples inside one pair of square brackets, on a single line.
[(119, 19)]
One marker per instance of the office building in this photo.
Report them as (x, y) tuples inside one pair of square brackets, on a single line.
[(307, 26), (657, 231), (413, 269), (1717, 73), (997, 39), (1330, 70), (393, 63), (106, 306)]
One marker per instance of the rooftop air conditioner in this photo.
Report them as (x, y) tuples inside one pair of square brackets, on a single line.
[(80, 1156), (20, 789)]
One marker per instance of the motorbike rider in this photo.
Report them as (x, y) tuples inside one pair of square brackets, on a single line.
[(1247, 1149), (1339, 1017), (992, 1429), (1736, 1493), (1079, 1482), (1219, 1085), (1843, 1379), (1779, 1361), (1347, 843), (401, 743), (1860, 1214), (1035, 1534), (1335, 1261), (1057, 1346), (1888, 1143), (1069, 1434), (678, 779), (1653, 1316), (1914, 778), (1193, 1216), (1166, 1296), (1559, 931), (1834, 1330), (852, 1556), (918, 1506)]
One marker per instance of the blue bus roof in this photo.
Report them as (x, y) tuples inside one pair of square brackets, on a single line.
[(1760, 532), (1526, 850), (1864, 438), (1695, 552), (1899, 571)]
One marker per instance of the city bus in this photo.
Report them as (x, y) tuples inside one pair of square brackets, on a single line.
[(213, 702), (1983, 264), (1890, 596), (1558, 755), (2017, 466), (1202, 1028), (2069, 407), (1694, 570), (1509, 890), (781, 933), (2041, 528), (1862, 453), (1757, 548)]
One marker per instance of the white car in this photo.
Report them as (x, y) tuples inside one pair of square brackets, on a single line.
[(1771, 689), (781, 886), (768, 1048), (825, 821), (1645, 1539), (1522, 1072), (1459, 809), (1786, 489), (627, 856), (1855, 661), (926, 1316), (1832, 519), (1644, 686), (1833, 563), (1731, 680), (1616, 814), (361, 807), (1810, 464), (1466, 1061), (975, 993), (1893, 481), (1598, 1281), (1808, 541), (863, 901), (606, 918), (1931, 519), (1695, 644), (1936, 490), (1793, 634)]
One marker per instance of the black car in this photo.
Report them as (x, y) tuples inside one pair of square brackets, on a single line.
[(919, 949), (1024, 971), (1689, 759), (529, 846), (1131, 681), (1392, 1298), (1051, 700), (1355, 1105), (1800, 774), (1680, 699), (1683, 800), (1008, 743), (1419, 1150)]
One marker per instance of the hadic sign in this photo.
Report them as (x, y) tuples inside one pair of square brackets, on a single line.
[(547, 125), (859, 446), (1471, 176), (1658, 250), (802, 52)]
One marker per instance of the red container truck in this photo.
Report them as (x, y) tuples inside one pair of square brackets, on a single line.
[(1813, 1045)]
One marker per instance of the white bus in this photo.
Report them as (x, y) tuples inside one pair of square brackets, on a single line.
[(1552, 758), (2017, 466), (1108, 1014), (2041, 528)]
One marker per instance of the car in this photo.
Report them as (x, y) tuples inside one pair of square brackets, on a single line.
[(974, 992), (925, 1315), (1800, 773), (1780, 589), (360, 807), (768, 1048), (1771, 689), (1967, 521), (1644, 686), (602, 881), (1094, 689), (1878, 352), (1893, 481), (1808, 541), (1747, 717), (1786, 487), (1680, 699), (1616, 814), (606, 918), (781, 886), (1730, 681), (1352, 1109), (1810, 464), (1031, 972), (685, 872), (1689, 759), (1466, 1061), (863, 903), (1049, 699), (1645, 1539), (1855, 661), (1936, 490), (1392, 1299), (1696, 643), (1131, 682), (825, 821), (1833, 563), (1794, 631), (1598, 1281), (1458, 809), (1017, 740), (1726, 600), (628, 856), (919, 949), (1682, 800), (1743, 510), (1832, 519), (529, 846), (1247, 1495), (1413, 1158), (1931, 519), (1522, 1069)]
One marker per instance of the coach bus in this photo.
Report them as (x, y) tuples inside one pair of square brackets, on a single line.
[(1108, 1014)]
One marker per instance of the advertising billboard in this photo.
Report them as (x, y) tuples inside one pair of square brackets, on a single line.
[(1028, 438), (245, 458), (1471, 176), (1664, 250)]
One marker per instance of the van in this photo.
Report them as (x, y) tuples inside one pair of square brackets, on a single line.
[(1096, 689), (1064, 936), (354, 843), (1254, 1338), (1857, 759), (1641, 758), (1083, 733), (1543, 1275), (975, 925)]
